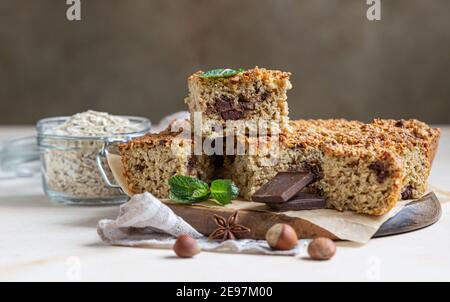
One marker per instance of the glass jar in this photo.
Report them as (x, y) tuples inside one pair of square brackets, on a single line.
[(19, 157), (74, 169)]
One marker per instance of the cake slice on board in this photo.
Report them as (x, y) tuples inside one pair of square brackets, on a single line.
[(361, 167), (151, 160)]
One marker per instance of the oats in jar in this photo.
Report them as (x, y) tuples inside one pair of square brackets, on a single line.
[(69, 148)]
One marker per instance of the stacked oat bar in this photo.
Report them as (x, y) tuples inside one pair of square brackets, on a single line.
[(250, 96)]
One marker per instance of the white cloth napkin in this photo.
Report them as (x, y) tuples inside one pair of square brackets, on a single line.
[(145, 221)]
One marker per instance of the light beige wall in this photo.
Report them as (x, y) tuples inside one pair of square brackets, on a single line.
[(133, 57)]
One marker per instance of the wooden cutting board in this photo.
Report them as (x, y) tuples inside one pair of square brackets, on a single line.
[(416, 215)]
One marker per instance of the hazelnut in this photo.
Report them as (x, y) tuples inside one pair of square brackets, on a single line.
[(321, 248), (186, 247), (281, 237)]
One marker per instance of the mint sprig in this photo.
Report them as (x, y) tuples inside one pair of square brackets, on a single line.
[(223, 191), (221, 73), (188, 190)]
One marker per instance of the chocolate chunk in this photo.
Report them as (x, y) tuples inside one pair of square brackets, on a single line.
[(301, 201), (191, 164), (139, 167), (223, 104), (162, 142), (248, 106), (408, 193), (211, 110), (283, 187), (218, 161), (232, 115), (300, 145), (243, 99), (315, 169), (265, 95), (381, 170), (229, 109), (231, 158)]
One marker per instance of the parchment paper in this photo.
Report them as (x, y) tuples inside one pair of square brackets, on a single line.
[(345, 225)]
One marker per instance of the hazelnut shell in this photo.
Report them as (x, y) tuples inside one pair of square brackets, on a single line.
[(186, 247), (281, 237), (321, 248)]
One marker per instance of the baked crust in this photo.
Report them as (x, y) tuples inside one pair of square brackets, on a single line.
[(414, 142), (244, 78), (165, 138)]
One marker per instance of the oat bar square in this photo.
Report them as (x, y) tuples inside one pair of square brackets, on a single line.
[(253, 95)]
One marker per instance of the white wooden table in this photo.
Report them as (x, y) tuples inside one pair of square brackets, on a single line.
[(43, 241)]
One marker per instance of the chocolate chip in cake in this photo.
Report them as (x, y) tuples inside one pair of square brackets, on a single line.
[(243, 98), (162, 142), (408, 193), (218, 161), (257, 88), (400, 123), (223, 103), (191, 164), (139, 167), (248, 106), (232, 115), (283, 187), (265, 95), (231, 158), (315, 169), (227, 109), (380, 169)]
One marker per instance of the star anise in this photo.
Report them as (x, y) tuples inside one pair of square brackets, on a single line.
[(227, 228)]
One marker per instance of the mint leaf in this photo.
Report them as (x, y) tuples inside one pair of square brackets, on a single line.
[(221, 73), (188, 189), (223, 191), (181, 199)]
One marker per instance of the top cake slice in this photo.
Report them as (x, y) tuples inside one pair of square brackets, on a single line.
[(254, 95)]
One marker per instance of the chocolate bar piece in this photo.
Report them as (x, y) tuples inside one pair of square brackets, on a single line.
[(283, 187), (301, 201)]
